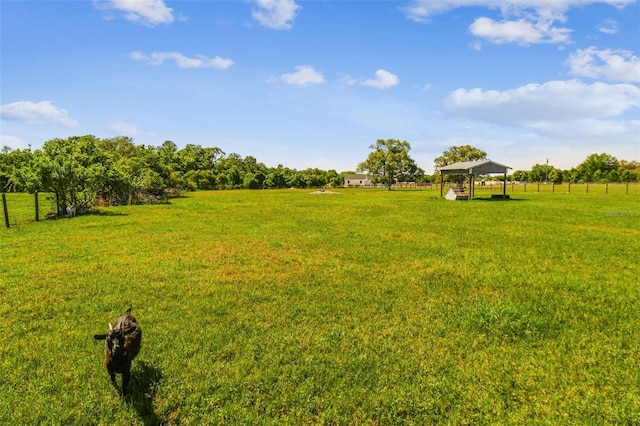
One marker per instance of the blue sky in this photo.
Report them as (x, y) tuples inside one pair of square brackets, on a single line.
[(315, 83)]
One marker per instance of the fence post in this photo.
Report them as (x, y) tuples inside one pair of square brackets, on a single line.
[(6, 211), (569, 188), (37, 208), (553, 187), (587, 187), (627, 190)]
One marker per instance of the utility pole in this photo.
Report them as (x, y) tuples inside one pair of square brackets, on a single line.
[(546, 172)]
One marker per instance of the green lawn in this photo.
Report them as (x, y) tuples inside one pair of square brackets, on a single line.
[(367, 307)]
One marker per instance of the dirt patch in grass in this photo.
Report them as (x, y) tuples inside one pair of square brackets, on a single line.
[(324, 192)]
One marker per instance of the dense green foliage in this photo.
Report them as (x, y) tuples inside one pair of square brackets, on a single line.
[(389, 163), (456, 154), (368, 307), (601, 168), (80, 169)]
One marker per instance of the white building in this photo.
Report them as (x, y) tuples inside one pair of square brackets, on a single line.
[(357, 180)]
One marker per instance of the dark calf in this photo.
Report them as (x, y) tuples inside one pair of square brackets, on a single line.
[(121, 347)]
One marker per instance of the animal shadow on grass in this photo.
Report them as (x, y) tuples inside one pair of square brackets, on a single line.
[(145, 381), (497, 199), (92, 212), (106, 213)]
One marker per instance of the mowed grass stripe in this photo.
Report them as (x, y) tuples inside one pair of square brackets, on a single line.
[(368, 307)]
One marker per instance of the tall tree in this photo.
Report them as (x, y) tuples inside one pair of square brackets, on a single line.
[(598, 166), (456, 154), (10, 161), (629, 171), (521, 175), (68, 168), (390, 162), (540, 172)]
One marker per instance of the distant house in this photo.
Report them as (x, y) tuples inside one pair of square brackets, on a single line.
[(357, 180)]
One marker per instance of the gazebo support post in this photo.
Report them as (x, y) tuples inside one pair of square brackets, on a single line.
[(441, 183), (472, 188), (504, 187)]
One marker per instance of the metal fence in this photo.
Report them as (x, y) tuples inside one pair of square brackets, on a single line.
[(20, 208), (565, 187), (533, 187)]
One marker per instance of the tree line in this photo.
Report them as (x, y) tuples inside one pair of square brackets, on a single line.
[(84, 170), (81, 171), (598, 168)]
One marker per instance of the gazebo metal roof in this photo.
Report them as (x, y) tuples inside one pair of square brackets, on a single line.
[(481, 167)]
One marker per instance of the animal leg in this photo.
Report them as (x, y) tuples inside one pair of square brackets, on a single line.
[(125, 381)]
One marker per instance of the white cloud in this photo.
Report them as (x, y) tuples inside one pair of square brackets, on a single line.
[(36, 113), (147, 12), (12, 142), (524, 21), (612, 65), (476, 45), (620, 131), (275, 14), (121, 128), (383, 80), (518, 31), (347, 80), (422, 10), (303, 76), (200, 61), (609, 26), (556, 108)]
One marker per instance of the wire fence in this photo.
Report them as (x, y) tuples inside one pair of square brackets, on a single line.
[(20, 208), (565, 188), (488, 188)]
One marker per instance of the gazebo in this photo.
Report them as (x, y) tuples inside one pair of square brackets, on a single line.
[(473, 169)]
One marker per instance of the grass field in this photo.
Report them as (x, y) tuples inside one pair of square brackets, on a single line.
[(367, 307)]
